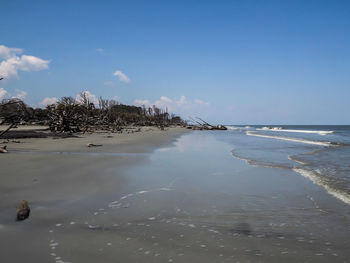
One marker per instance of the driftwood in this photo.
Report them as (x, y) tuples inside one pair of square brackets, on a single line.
[(203, 125), (23, 211), (8, 128), (12, 111), (3, 149), (93, 145)]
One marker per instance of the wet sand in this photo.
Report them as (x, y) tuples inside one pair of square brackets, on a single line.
[(61, 179), (190, 201)]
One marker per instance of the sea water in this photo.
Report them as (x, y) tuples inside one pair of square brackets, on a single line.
[(319, 153)]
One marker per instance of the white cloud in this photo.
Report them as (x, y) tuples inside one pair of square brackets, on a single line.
[(165, 99), (48, 101), (201, 102), (181, 101), (3, 93), (100, 50), (142, 102), (92, 98), (163, 102), (121, 76), (182, 105), (12, 63), (6, 52), (21, 94)]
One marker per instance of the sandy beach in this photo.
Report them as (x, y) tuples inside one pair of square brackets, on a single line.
[(64, 177), (161, 196)]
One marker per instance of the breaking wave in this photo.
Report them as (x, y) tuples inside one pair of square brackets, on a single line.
[(280, 129), (317, 179), (322, 143)]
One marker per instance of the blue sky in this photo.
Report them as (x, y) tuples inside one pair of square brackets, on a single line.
[(239, 62)]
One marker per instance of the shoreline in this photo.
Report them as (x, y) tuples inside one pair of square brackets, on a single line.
[(164, 196)]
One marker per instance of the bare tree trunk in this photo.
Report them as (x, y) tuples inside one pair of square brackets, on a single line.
[(8, 128)]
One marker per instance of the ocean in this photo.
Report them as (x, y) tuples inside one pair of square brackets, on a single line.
[(319, 153)]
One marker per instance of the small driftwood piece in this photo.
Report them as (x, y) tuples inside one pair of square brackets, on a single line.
[(93, 145), (23, 211), (3, 149)]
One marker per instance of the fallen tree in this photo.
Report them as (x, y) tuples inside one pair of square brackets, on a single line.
[(12, 112), (81, 115), (203, 125)]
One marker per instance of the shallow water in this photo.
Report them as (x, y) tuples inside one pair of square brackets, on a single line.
[(320, 153), (195, 202)]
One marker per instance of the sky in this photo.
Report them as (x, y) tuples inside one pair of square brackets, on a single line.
[(229, 62)]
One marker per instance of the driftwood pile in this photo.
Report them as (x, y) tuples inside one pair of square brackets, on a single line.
[(72, 115), (203, 125)]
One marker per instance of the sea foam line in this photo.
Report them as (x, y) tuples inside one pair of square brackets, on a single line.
[(341, 195), (290, 139), (300, 131)]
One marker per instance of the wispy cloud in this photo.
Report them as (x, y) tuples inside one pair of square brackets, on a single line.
[(21, 94), (11, 62), (121, 76), (201, 102), (165, 99), (48, 101), (8, 52), (181, 101), (139, 102), (100, 50), (182, 105), (3, 93)]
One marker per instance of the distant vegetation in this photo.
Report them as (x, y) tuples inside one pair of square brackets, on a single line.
[(80, 115)]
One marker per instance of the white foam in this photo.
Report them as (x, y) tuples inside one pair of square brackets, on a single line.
[(341, 195), (141, 192), (232, 128), (126, 196), (290, 139), (164, 189), (280, 129)]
